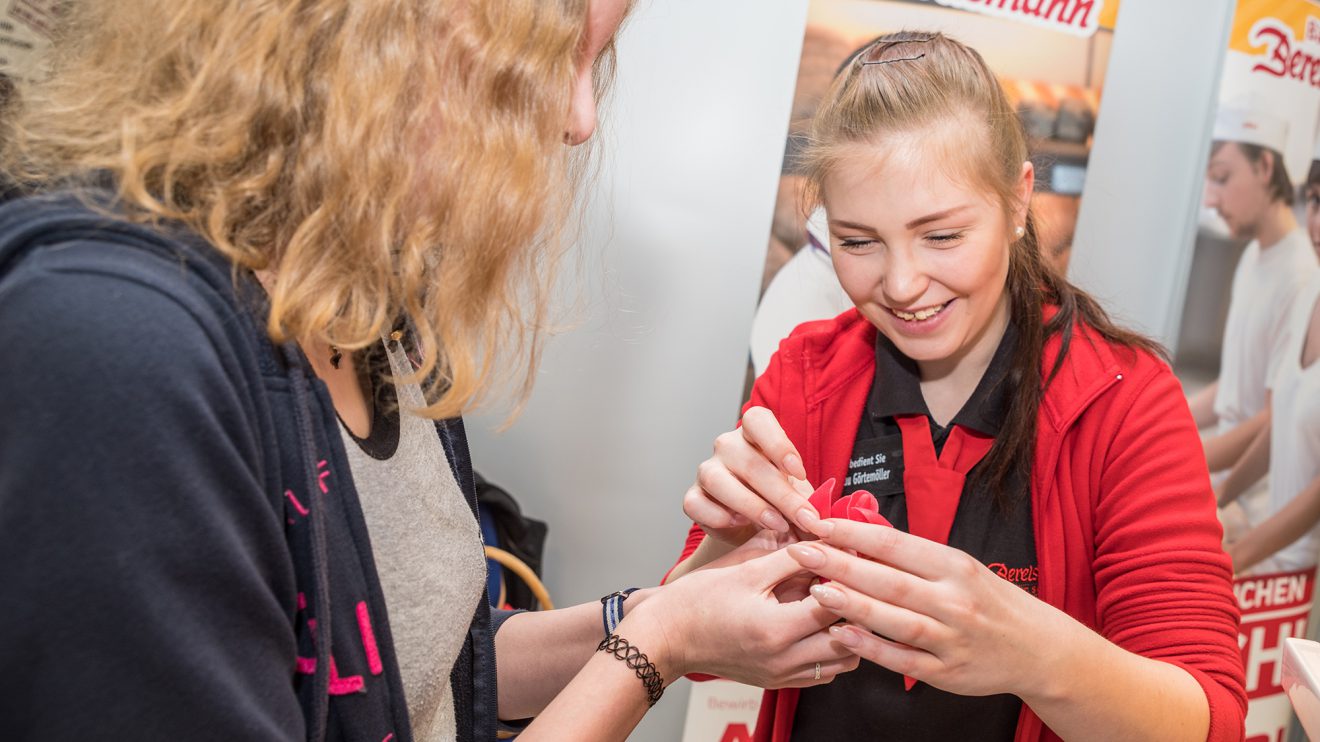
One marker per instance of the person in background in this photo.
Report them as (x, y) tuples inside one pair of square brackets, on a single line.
[(822, 49), (1036, 555), (1282, 533), (798, 250), (1248, 185), (787, 228), (805, 289), (272, 251), (1056, 203)]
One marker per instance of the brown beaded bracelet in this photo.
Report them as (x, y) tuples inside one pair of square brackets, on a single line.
[(637, 660)]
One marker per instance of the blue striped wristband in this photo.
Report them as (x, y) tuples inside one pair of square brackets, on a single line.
[(612, 609)]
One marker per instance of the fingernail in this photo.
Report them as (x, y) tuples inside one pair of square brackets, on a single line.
[(807, 556), (823, 528), (808, 518), (844, 635), (827, 596), (793, 465), (774, 521), (802, 486)]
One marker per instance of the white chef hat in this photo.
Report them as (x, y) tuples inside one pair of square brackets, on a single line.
[(1245, 121), (818, 227)]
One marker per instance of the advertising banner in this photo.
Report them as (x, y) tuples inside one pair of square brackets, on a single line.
[(1274, 608), (721, 711), (1078, 17), (1273, 63)]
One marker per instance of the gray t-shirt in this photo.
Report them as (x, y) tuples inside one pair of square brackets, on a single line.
[(427, 548)]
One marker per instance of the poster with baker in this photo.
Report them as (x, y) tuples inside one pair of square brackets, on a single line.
[(1252, 260), (1274, 58)]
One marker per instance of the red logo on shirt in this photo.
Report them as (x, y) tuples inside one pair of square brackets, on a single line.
[(1024, 577)]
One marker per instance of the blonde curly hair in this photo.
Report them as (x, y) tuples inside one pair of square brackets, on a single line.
[(380, 159)]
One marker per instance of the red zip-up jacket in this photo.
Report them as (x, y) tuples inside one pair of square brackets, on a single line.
[(1124, 517)]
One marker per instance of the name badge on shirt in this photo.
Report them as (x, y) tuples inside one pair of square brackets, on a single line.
[(876, 466)]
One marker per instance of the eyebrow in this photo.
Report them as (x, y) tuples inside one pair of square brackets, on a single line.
[(910, 225), (936, 216), (850, 225)]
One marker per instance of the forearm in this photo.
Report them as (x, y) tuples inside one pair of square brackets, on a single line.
[(1223, 451), (1096, 690), (606, 699), (539, 653), (1203, 405), (1253, 465), (709, 550), (1279, 530)]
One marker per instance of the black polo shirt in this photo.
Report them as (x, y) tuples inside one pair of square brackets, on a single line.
[(870, 702)]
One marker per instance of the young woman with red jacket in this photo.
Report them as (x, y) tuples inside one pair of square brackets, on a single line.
[(1054, 569)]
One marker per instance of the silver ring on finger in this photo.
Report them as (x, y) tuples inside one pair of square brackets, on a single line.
[(817, 675)]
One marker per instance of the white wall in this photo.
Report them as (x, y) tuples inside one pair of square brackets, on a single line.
[(628, 403), (1144, 181)]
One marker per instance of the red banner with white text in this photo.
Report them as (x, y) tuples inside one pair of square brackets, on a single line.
[(1274, 608)]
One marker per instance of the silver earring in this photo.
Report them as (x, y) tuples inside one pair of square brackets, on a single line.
[(1020, 232)]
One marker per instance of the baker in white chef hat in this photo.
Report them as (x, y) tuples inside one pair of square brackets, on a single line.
[(1246, 181)]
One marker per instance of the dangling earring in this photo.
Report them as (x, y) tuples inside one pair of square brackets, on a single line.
[(1020, 232), (335, 356)]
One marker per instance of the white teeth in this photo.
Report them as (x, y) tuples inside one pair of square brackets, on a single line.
[(919, 316)]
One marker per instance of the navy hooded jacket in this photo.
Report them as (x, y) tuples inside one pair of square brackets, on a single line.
[(182, 552)]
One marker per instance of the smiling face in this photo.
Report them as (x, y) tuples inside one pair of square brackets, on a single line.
[(923, 254)]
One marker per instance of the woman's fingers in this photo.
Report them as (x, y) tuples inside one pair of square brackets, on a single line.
[(759, 544), (795, 619), (737, 456), (892, 621), (768, 462), (716, 483), (812, 674), (762, 429), (794, 666), (912, 554), (757, 474), (878, 581), (769, 571), (819, 646), (900, 658), (708, 513)]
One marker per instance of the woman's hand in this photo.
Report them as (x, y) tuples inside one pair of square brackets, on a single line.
[(728, 621), (949, 621), (754, 480), (765, 542)]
